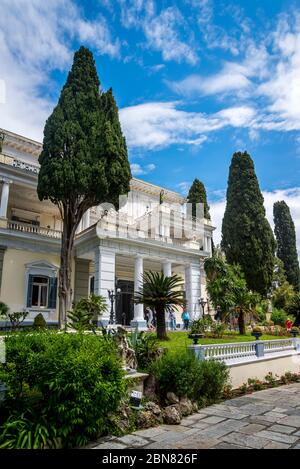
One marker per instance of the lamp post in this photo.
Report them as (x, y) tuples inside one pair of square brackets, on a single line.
[(112, 296), (202, 303)]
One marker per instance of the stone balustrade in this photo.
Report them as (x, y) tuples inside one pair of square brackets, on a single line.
[(240, 352), (34, 229)]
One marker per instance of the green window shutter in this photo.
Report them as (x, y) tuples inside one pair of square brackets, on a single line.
[(92, 285), (52, 293), (29, 291)]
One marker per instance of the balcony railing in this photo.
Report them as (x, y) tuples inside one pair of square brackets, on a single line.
[(33, 229)]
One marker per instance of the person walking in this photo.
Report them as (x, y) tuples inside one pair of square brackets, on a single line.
[(186, 319), (172, 320)]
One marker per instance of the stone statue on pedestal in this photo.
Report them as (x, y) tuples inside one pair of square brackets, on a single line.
[(127, 354)]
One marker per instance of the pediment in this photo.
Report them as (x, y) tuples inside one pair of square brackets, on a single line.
[(42, 265)]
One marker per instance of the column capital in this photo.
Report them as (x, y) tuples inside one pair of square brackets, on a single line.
[(4, 180)]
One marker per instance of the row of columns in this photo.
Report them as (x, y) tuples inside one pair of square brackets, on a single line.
[(105, 280)]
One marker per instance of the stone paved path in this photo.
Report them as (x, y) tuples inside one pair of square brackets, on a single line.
[(265, 419)]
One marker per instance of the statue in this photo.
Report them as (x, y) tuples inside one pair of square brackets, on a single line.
[(127, 354)]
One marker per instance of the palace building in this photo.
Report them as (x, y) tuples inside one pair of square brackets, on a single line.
[(151, 231)]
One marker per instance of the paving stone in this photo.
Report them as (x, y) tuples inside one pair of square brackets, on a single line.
[(292, 420), (273, 416), (188, 421), (156, 445), (132, 440), (200, 425), (281, 410), (149, 432), (196, 443), (238, 401), (110, 445), (221, 429), (212, 419), (247, 441), (282, 429), (296, 447), (261, 419), (252, 428), (297, 433), (224, 445), (276, 445), (274, 436), (256, 409), (170, 437), (227, 414)]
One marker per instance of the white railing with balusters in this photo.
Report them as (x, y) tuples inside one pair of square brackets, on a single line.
[(278, 345), (34, 229), (240, 352), (229, 352)]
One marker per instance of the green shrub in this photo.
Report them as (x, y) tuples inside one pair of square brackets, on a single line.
[(3, 310), (69, 381), (218, 329), (279, 317), (146, 347), (199, 326), (85, 311), (180, 372), (39, 322)]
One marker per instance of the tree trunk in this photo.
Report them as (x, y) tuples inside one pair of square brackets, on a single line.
[(161, 324), (65, 272), (242, 328)]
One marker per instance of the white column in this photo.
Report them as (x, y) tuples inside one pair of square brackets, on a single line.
[(167, 268), (138, 320), (193, 289), (4, 199), (105, 266), (86, 220)]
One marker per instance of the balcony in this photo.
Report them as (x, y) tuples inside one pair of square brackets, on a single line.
[(33, 229)]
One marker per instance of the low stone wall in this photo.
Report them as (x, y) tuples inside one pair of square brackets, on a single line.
[(241, 372)]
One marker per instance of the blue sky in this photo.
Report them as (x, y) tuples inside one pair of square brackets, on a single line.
[(195, 80)]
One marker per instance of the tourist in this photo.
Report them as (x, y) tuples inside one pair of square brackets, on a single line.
[(186, 319), (172, 320), (288, 325)]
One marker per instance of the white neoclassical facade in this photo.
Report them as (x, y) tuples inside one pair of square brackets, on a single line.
[(151, 231)]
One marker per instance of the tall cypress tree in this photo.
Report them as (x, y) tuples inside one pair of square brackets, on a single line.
[(286, 242), (84, 158), (197, 195), (247, 238)]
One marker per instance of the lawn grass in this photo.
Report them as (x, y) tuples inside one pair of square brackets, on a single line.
[(180, 339)]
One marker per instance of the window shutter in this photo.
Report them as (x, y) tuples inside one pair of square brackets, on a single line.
[(52, 293), (29, 291), (92, 285)]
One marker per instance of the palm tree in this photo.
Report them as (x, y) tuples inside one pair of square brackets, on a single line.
[(160, 293)]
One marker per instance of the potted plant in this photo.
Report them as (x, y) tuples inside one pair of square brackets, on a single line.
[(295, 331), (195, 337), (256, 332)]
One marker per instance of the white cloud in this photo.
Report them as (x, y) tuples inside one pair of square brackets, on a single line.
[(219, 83), (138, 170), (162, 34), (159, 124), (162, 30), (290, 196), (36, 39), (233, 77), (2, 92)]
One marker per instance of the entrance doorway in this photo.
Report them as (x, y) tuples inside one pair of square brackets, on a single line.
[(124, 306)]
